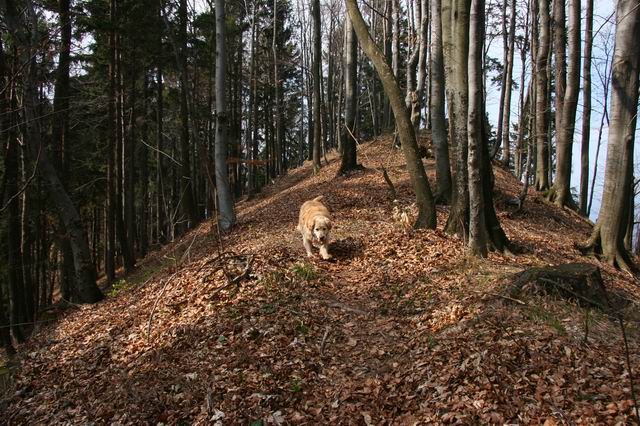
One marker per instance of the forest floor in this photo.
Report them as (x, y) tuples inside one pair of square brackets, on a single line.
[(401, 328)]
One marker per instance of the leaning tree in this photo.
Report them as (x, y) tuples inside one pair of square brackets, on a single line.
[(406, 131)]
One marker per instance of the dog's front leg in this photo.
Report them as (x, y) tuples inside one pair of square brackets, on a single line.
[(306, 242), (324, 252)]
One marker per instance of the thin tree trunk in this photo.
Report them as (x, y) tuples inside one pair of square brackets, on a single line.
[(317, 59), (586, 110), (276, 88), (227, 217), (437, 107), (503, 91), (561, 191), (506, 111), (252, 110), (542, 98), (160, 172), (186, 178), (424, 198)]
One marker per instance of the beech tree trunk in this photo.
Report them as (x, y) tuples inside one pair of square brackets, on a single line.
[(437, 109), (426, 208), (609, 233), (542, 97), (458, 107), (485, 232), (586, 110), (349, 151), (317, 59), (226, 214), (505, 61), (506, 111), (561, 191)]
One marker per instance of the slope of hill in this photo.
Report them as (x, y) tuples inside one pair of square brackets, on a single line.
[(400, 328)]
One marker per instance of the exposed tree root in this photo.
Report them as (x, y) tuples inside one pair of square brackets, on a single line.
[(618, 257)]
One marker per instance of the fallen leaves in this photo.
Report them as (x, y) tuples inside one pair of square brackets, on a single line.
[(387, 333)]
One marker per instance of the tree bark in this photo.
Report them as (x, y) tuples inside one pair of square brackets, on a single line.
[(458, 107), (315, 69), (505, 61), (186, 178), (424, 198), (477, 233), (586, 110), (276, 88), (349, 152), (162, 233), (506, 111), (227, 216), (485, 232), (437, 107), (542, 97), (608, 234), (561, 191), (60, 130)]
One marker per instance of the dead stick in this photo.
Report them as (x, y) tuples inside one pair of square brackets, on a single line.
[(324, 339), (155, 304)]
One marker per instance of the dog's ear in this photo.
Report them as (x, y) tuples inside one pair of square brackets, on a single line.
[(329, 225), (311, 224)]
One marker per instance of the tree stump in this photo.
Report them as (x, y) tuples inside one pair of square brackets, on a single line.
[(581, 282)]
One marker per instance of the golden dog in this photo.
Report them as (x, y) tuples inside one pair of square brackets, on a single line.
[(315, 223)]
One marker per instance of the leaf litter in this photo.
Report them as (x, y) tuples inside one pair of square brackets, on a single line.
[(400, 328)]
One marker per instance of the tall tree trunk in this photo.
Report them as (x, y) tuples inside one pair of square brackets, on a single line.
[(227, 216), (406, 132), (60, 130), (560, 52), (120, 229), (438, 121), (251, 133), (609, 232), (561, 191), (542, 97), (276, 88), (485, 232), (186, 180), (506, 110), (88, 291), (586, 110), (524, 105), (478, 238), (458, 12), (388, 54), (423, 43), (349, 152), (317, 59), (144, 170), (160, 173), (503, 91)]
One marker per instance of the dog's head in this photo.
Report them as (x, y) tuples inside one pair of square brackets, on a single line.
[(321, 228)]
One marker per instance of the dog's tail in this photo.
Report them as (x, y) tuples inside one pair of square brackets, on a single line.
[(319, 198)]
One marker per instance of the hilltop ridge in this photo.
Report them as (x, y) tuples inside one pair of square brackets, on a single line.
[(401, 328)]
